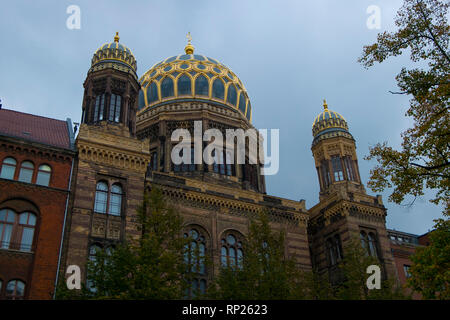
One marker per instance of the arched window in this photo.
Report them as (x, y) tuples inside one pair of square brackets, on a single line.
[(229, 164), (8, 168), (195, 259), (108, 201), (152, 93), (372, 245), (17, 231), (101, 197), (218, 89), (222, 163), (43, 175), (338, 246), (167, 87), (7, 221), (141, 99), (184, 85), (93, 250), (27, 223), (15, 290), (331, 254), (326, 179), (197, 250), (334, 250), (231, 252), (349, 168), (26, 171), (186, 167), (242, 103), (114, 108), (99, 107), (115, 200), (219, 163), (364, 242), (337, 168), (250, 173), (232, 94), (154, 160), (201, 86)]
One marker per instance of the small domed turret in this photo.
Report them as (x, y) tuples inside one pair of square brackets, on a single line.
[(116, 53), (329, 124)]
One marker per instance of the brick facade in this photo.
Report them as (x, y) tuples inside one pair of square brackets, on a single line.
[(36, 267)]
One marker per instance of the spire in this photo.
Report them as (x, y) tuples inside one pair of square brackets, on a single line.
[(325, 105), (116, 37), (189, 49)]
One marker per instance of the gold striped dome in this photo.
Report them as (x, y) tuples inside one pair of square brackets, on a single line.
[(116, 53), (193, 77), (328, 121)]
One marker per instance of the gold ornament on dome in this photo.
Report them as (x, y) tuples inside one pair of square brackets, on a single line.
[(328, 119)]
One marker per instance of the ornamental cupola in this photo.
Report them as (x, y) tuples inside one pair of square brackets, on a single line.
[(192, 77), (334, 152), (111, 88)]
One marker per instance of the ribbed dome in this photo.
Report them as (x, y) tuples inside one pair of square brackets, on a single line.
[(328, 121), (189, 77), (116, 53)]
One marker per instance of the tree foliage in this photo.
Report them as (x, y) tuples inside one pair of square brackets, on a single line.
[(430, 271), (423, 160), (151, 267), (353, 277), (265, 273)]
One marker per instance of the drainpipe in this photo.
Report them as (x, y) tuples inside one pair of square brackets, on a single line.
[(63, 229), (72, 145)]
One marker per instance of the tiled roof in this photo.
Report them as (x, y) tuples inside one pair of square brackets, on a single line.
[(34, 128)]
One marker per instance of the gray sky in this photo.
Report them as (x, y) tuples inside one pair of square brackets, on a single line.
[(290, 55)]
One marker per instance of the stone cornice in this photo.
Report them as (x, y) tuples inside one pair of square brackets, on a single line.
[(228, 200), (336, 205), (199, 109), (104, 145)]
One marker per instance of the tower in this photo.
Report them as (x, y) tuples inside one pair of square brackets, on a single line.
[(111, 161), (111, 88), (334, 152), (345, 211)]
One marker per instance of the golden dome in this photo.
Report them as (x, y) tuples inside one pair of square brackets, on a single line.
[(116, 53), (193, 77), (328, 121)]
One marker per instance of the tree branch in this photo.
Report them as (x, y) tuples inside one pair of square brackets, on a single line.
[(433, 38), (403, 92), (432, 167)]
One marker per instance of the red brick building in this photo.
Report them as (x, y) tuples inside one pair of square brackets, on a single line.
[(403, 245), (36, 159)]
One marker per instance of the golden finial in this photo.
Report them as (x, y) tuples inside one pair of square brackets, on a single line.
[(116, 37), (325, 106), (189, 49)]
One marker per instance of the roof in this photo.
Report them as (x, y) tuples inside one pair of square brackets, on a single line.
[(193, 77), (35, 128)]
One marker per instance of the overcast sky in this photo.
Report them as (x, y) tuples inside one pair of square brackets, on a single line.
[(290, 55)]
